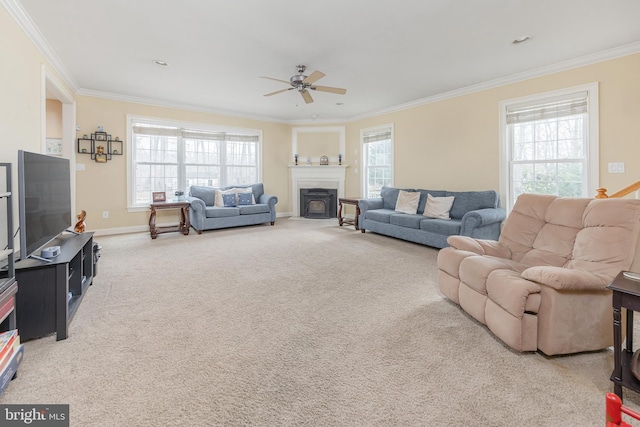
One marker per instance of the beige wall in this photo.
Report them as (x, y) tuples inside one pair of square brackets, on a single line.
[(454, 144), (102, 186), (22, 98), (451, 144), (54, 119)]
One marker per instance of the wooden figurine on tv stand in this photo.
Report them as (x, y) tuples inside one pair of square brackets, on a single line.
[(80, 225)]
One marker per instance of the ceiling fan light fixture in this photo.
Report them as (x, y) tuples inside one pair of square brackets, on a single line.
[(160, 62), (521, 39)]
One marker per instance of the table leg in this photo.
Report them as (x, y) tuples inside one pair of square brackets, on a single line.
[(617, 350), (357, 216), (185, 220), (340, 220), (152, 224)]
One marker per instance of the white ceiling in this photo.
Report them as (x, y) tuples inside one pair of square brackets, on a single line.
[(387, 54)]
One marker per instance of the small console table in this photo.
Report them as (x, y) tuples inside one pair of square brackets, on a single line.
[(348, 201), (626, 294), (182, 227)]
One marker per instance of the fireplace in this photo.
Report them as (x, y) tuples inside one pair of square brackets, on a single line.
[(318, 202)]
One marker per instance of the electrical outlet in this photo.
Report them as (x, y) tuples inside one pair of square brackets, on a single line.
[(105, 214), (79, 166)]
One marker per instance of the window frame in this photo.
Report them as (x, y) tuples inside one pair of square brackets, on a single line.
[(197, 126), (365, 165), (592, 164)]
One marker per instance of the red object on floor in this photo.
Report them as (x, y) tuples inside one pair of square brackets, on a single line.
[(615, 411)]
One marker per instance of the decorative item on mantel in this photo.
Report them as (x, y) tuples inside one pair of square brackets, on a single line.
[(340, 159), (309, 160), (295, 157), (87, 145), (324, 160)]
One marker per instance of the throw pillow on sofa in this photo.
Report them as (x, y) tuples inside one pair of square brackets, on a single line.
[(408, 202), (219, 202), (245, 199), (438, 207), (245, 190), (229, 200)]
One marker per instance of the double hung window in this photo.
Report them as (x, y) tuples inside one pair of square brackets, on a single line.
[(550, 144), (377, 159), (171, 156)]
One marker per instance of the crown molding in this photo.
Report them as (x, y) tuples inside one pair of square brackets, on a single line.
[(17, 12), (605, 55), (176, 105)]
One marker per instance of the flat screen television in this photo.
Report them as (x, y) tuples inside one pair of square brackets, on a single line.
[(44, 198)]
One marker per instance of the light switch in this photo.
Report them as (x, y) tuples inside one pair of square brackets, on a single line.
[(617, 167), (79, 166)]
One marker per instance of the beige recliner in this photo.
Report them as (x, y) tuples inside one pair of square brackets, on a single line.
[(542, 285)]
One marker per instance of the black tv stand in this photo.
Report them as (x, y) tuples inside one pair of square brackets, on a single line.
[(49, 293)]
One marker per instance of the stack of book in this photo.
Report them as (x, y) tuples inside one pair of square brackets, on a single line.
[(10, 356)]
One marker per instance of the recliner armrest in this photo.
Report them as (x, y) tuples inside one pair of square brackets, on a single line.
[(566, 279), (480, 246)]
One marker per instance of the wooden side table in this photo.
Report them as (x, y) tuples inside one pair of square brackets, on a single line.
[(626, 294), (184, 225), (348, 201)]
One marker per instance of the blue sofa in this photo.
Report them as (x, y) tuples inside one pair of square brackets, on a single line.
[(205, 216), (475, 214)]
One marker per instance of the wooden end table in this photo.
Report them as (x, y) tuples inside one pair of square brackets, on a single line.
[(184, 225), (348, 201), (626, 294)]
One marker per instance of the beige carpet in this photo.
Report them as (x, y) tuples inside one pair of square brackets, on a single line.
[(303, 323)]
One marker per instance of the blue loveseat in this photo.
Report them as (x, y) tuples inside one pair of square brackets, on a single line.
[(204, 215), (475, 214)]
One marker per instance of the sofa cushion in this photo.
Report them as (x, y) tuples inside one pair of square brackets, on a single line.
[(253, 209), (229, 200), (440, 226), (380, 215), (406, 220), (216, 212), (438, 207), (423, 197), (614, 224), (389, 197), (407, 202), (513, 293), (206, 194), (466, 201)]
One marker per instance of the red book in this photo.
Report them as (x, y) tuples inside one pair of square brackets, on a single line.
[(6, 342), (6, 308)]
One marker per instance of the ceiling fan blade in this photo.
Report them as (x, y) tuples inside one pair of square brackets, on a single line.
[(306, 96), (277, 92), (278, 80), (315, 76), (329, 89)]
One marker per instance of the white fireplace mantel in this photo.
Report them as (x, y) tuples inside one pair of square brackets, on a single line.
[(315, 176)]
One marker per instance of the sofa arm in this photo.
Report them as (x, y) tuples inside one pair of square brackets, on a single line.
[(480, 246), (271, 200), (197, 212), (566, 279), (367, 204), (479, 218)]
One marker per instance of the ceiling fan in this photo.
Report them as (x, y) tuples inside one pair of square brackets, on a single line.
[(302, 83)]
